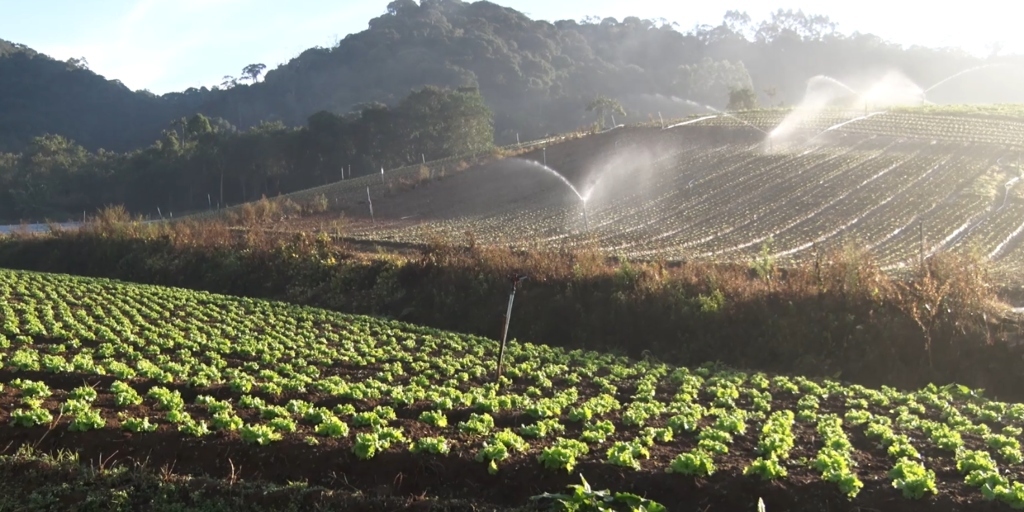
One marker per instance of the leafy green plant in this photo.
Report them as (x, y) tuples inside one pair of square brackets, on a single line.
[(435, 445), (693, 463), (88, 419), (562, 454), (627, 454), (767, 469), (259, 434), (912, 478), (585, 499), (30, 417), (435, 418), (137, 425)]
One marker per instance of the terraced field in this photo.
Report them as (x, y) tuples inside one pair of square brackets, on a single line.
[(246, 389), (900, 183)]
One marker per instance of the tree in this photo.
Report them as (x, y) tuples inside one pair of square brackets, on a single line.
[(79, 63), (742, 98), (401, 7), (253, 71), (706, 81), (437, 122), (229, 82), (604, 106)]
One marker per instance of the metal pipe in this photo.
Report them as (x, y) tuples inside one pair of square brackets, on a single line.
[(515, 279)]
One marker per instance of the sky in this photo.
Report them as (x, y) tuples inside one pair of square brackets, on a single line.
[(171, 45)]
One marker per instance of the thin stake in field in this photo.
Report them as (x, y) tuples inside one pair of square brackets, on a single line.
[(516, 280)]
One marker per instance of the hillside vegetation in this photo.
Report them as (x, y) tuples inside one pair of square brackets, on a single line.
[(40, 95), (203, 163), (838, 316), (537, 76), (245, 389)]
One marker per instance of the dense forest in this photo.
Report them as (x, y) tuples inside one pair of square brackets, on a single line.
[(200, 162), (536, 77)]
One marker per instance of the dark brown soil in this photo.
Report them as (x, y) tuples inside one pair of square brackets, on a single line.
[(399, 473)]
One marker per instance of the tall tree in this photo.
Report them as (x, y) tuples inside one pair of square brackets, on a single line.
[(253, 71)]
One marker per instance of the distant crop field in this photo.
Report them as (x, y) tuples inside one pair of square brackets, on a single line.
[(221, 385), (728, 187)]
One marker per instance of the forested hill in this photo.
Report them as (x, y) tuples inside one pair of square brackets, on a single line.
[(40, 95), (536, 76)]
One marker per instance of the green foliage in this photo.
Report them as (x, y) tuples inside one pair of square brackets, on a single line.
[(204, 165), (693, 463), (336, 365), (585, 499), (742, 98)]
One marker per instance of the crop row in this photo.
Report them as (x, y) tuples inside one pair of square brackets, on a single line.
[(84, 355), (893, 123), (727, 201)]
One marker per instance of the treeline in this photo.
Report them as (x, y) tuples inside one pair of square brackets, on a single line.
[(536, 76), (201, 162)]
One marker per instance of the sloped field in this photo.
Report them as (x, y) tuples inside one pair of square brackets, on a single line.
[(727, 202), (241, 388)]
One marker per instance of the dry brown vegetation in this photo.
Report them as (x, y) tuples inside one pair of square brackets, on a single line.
[(841, 316)]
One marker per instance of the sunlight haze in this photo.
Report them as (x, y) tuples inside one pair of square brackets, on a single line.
[(165, 46)]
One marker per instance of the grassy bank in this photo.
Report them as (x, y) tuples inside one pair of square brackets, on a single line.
[(840, 317), (37, 481)]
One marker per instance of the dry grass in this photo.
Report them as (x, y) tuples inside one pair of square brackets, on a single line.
[(841, 314)]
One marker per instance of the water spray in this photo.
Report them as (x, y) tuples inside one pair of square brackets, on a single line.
[(370, 202), (964, 72), (515, 279), (586, 221)]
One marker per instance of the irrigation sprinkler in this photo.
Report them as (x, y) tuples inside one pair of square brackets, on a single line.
[(515, 279), (662, 119), (544, 153), (370, 202), (382, 182)]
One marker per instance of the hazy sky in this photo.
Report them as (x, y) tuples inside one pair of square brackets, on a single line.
[(168, 45)]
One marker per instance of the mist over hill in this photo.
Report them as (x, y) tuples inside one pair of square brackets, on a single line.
[(536, 76)]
